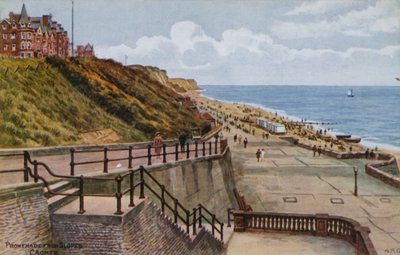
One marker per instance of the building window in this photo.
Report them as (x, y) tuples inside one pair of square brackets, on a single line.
[(23, 46), (29, 35), (13, 47), (14, 26), (29, 55), (23, 35), (5, 47), (4, 36), (29, 45), (12, 35), (3, 26), (29, 24), (23, 25), (22, 55)]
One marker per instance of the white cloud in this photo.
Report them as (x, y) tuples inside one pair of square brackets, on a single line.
[(320, 7), (242, 56), (383, 16)]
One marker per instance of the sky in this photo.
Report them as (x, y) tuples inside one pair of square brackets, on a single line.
[(237, 42)]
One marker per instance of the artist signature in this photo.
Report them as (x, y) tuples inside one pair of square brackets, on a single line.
[(392, 250)]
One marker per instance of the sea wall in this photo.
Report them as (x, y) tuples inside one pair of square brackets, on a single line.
[(206, 181), (344, 155), (24, 219), (373, 170)]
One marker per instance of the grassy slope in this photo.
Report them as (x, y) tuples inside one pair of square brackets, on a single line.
[(56, 99)]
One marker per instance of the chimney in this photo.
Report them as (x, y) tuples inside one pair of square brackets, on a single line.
[(45, 20)]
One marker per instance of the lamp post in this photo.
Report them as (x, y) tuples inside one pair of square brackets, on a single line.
[(355, 169)]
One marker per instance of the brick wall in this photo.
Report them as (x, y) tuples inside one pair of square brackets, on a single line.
[(24, 218), (143, 230)]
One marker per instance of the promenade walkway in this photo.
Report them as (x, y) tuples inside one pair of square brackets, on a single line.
[(282, 244), (60, 164), (291, 180)]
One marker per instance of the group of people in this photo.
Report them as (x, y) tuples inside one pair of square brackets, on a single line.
[(370, 154), (239, 140), (315, 150), (260, 154)]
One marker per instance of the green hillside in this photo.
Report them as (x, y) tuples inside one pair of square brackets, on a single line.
[(52, 101)]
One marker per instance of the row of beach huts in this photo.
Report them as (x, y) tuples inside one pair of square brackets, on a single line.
[(270, 126)]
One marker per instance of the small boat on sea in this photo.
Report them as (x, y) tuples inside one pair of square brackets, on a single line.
[(352, 140), (350, 93), (343, 136)]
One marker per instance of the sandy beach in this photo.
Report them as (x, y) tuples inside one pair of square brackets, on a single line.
[(303, 133)]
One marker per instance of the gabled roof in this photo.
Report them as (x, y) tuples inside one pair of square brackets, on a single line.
[(5, 20), (88, 47), (207, 116)]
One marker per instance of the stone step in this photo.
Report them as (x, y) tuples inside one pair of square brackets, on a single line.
[(57, 187), (57, 201)]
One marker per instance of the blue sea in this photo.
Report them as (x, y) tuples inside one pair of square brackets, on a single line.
[(372, 114)]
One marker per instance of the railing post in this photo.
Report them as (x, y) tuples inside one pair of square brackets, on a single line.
[(35, 171), (130, 157), (132, 188), (118, 195), (216, 146), (176, 151), (149, 154), (187, 150), (141, 182), (72, 163), (213, 224), (222, 231), (26, 176), (194, 221), (164, 153), (200, 216), (162, 198), (196, 149), (105, 160), (204, 149), (175, 210), (209, 147), (81, 196), (187, 221)]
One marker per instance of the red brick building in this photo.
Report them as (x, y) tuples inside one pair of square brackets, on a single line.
[(84, 51), (23, 36)]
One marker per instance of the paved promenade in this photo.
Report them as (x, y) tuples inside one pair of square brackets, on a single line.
[(291, 179), (282, 244)]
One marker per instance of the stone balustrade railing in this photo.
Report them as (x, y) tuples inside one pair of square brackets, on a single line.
[(318, 225)]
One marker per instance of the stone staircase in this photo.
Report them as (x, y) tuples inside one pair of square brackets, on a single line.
[(57, 201)]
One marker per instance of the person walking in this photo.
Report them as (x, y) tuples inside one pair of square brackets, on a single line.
[(262, 154), (245, 142), (258, 154), (367, 153), (235, 138), (267, 135), (157, 142), (314, 150), (182, 141), (319, 151)]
